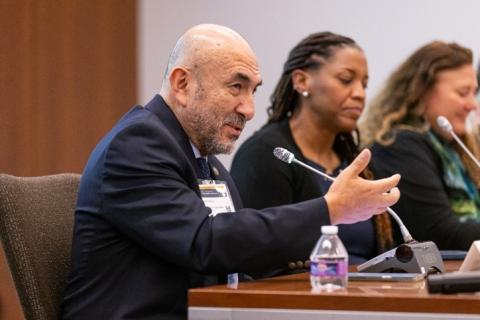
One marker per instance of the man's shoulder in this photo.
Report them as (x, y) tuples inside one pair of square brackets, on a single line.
[(138, 133), (143, 124), (138, 116)]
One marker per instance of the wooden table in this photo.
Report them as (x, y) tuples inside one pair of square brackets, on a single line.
[(290, 297)]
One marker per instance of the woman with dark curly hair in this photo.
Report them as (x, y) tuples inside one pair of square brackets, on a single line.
[(313, 113)]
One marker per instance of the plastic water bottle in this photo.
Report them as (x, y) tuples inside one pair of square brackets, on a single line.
[(329, 262)]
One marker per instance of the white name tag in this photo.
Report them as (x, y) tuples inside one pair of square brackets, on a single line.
[(216, 196)]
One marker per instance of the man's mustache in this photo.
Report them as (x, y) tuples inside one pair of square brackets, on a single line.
[(236, 120)]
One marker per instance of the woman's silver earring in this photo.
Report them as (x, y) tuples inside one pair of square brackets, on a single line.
[(305, 94)]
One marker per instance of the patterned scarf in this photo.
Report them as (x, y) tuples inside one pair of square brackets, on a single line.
[(462, 192)]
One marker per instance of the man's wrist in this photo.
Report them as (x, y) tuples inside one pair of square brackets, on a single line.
[(330, 202)]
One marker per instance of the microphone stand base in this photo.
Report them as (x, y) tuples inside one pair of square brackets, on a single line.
[(412, 257)]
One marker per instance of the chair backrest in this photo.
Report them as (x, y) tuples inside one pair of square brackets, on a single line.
[(36, 225)]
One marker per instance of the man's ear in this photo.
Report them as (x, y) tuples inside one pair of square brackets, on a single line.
[(301, 81), (180, 84)]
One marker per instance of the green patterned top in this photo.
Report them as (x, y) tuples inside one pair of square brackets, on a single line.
[(462, 192)]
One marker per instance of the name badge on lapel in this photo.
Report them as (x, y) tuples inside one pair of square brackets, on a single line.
[(216, 196)]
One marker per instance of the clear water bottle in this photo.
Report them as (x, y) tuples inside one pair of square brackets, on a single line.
[(329, 262)]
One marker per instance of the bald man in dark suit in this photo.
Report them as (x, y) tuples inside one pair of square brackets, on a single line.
[(143, 235)]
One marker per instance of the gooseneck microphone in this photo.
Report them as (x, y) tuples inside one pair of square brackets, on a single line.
[(445, 125), (289, 157), (411, 256)]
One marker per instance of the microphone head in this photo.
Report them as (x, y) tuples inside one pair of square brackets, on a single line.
[(444, 124), (283, 154)]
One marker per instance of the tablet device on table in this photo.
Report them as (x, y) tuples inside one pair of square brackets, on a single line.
[(453, 254), (379, 276)]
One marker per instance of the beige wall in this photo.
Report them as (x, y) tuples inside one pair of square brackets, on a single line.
[(388, 31)]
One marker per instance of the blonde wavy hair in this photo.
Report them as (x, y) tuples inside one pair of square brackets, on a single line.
[(399, 105)]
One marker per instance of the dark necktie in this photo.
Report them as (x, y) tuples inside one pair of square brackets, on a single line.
[(204, 169)]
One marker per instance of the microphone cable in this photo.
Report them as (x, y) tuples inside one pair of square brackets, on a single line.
[(288, 157)]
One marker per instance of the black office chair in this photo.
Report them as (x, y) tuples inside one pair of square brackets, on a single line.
[(36, 225)]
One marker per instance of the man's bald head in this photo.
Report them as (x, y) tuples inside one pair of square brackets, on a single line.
[(209, 85), (203, 43)]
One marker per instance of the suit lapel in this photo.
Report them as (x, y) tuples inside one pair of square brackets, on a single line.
[(160, 108)]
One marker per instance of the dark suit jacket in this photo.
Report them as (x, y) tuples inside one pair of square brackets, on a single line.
[(143, 236)]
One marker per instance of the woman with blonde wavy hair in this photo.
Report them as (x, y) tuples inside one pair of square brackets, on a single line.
[(440, 185)]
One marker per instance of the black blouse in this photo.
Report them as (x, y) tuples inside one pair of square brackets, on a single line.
[(264, 181)]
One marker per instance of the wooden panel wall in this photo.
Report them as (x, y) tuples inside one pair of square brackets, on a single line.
[(67, 73)]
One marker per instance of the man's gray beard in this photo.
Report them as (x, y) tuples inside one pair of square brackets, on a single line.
[(207, 137), (213, 147)]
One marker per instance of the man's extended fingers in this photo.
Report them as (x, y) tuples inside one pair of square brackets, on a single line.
[(359, 163), (390, 198), (385, 184)]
